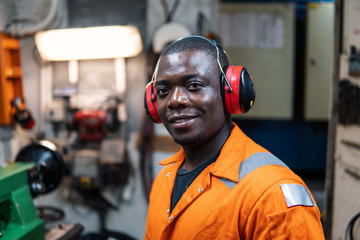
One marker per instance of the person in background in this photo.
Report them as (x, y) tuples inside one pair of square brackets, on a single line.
[(221, 184)]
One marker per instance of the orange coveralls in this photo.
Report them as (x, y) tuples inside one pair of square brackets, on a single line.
[(247, 193)]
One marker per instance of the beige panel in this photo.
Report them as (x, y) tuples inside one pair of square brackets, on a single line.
[(269, 57), (319, 60)]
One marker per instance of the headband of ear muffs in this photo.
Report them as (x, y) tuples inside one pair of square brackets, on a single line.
[(237, 88)]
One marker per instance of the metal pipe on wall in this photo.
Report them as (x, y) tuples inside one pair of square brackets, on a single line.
[(19, 29)]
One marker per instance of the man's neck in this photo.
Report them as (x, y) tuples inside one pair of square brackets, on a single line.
[(195, 155)]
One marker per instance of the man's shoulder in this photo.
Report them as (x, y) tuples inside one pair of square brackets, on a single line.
[(266, 168)]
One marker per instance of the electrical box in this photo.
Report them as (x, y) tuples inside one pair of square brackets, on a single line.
[(260, 36), (319, 60), (10, 76)]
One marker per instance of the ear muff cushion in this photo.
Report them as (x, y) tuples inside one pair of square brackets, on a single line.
[(247, 91), (242, 96), (151, 104)]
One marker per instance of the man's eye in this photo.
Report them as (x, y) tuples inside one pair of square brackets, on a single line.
[(194, 86), (162, 92)]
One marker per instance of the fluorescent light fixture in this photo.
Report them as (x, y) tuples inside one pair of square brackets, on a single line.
[(73, 71), (89, 43), (120, 75)]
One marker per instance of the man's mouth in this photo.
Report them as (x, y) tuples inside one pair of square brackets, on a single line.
[(180, 119)]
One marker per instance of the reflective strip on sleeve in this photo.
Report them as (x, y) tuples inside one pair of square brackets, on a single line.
[(296, 195), (252, 163), (258, 160)]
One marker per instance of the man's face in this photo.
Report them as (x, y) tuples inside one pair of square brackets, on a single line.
[(188, 97)]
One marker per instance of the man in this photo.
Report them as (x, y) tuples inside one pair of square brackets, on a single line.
[(220, 185)]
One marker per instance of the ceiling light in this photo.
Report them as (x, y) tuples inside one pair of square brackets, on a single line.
[(89, 43)]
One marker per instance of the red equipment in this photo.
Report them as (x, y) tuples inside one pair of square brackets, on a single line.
[(91, 124)]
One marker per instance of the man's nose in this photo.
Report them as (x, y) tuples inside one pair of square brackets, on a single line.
[(178, 98)]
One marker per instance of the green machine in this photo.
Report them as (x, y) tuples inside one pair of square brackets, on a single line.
[(37, 169), (18, 215)]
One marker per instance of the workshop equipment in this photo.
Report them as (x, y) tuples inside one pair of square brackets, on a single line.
[(49, 166), (91, 124), (348, 103), (10, 77), (18, 216), (21, 115), (354, 62), (37, 169), (99, 160)]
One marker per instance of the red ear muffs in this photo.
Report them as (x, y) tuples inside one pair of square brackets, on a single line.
[(150, 102), (237, 89), (238, 98), (240, 95)]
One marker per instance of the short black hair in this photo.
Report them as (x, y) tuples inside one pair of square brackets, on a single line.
[(197, 43)]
